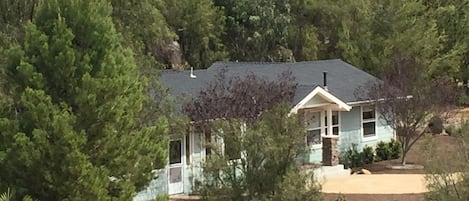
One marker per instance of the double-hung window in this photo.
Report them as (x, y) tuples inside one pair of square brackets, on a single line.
[(313, 128), (369, 121), (335, 122)]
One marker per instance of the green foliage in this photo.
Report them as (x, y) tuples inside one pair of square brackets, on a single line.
[(199, 25), (6, 196), (436, 125), (388, 150), (295, 187), (382, 151), (162, 197), (144, 29), (368, 155), (267, 168), (395, 149), (448, 178), (71, 127), (255, 30), (340, 197), (354, 158)]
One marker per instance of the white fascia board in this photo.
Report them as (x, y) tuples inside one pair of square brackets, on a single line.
[(324, 94)]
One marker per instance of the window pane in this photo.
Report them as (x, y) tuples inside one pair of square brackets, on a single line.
[(335, 118), (175, 174), (232, 149), (188, 151), (208, 139), (369, 129), (175, 152), (368, 112), (335, 130), (313, 120), (313, 137)]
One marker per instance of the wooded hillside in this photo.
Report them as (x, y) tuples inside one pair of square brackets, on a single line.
[(365, 33)]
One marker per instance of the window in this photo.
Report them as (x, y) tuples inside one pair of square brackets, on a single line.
[(226, 144), (369, 121), (188, 150), (208, 140), (232, 149), (335, 122), (313, 128)]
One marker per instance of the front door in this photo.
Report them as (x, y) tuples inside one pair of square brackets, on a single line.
[(175, 167)]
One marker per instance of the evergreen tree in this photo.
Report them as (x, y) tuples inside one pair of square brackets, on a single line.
[(199, 25), (70, 125), (145, 30), (255, 30)]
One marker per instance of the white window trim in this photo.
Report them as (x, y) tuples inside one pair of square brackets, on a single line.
[(191, 148), (338, 124), (221, 142), (322, 127), (363, 137)]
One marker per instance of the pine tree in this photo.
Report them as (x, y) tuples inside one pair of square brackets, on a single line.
[(199, 25), (70, 125)]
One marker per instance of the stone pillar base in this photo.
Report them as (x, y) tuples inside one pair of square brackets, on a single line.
[(330, 153)]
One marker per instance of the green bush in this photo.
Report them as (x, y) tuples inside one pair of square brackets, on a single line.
[(354, 158), (451, 129), (436, 125), (388, 151), (368, 155), (395, 149), (382, 151), (162, 197)]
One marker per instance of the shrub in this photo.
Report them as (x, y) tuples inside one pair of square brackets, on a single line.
[(395, 149), (368, 155), (435, 125), (388, 151), (451, 129), (382, 151), (162, 197), (352, 158), (298, 185)]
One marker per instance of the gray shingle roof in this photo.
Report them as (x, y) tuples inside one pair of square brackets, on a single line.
[(342, 78)]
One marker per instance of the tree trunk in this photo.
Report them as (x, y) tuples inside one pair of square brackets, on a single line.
[(404, 158)]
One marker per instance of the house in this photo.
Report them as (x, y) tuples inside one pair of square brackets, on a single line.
[(320, 97)]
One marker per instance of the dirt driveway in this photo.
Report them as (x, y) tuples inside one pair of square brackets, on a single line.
[(376, 184)]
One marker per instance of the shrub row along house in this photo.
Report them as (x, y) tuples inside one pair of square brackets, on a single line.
[(325, 92)]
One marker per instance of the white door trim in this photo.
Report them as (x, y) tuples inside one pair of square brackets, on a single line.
[(176, 168)]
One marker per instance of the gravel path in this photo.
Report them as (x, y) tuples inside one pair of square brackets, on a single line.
[(376, 184)]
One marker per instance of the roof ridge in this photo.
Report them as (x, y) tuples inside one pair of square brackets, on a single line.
[(271, 62)]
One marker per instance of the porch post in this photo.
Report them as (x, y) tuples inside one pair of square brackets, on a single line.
[(329, 121), (330, 153)]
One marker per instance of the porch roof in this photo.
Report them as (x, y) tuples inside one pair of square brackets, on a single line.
[(325, 95)]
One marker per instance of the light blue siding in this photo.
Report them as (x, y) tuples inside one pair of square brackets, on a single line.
[(194, 170), (191, 173), (156, 187), (351, 131), (315, 156)]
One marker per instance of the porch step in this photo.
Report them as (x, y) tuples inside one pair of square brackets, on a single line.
[(326, 172), (183, 197)]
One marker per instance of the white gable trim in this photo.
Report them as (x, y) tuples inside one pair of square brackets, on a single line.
[(324, 94)]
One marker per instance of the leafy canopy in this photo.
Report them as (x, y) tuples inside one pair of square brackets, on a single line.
[(70, 127)]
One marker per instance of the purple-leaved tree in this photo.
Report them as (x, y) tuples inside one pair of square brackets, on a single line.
[(406, 98)]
